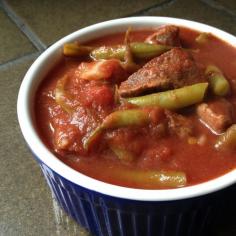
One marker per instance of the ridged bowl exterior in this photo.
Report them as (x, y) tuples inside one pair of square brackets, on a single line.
[(109, 216)]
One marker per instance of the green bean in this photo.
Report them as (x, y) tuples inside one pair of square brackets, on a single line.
[(76, 50), (61, 96), (91, 139), (153, 178), (128, 63), (118, 119), (217, 82), (139, 50), (202, 38), (121, 153), (173, 99), (105, 52), (124, 118), (146, 50), (227, 140)]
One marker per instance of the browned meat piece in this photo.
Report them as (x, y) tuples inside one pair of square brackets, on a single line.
[(166, 35), (179, 125), (173, 69), (216, 114)]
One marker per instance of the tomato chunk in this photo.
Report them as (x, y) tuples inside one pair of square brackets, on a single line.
[(101, 70)]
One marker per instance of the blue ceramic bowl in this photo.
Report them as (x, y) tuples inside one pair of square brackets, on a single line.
[(106, 209)]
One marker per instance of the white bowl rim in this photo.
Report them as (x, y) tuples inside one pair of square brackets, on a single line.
[(24, 112)]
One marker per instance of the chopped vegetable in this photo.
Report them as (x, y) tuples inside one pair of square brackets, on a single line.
[(76, 50), (202, 38), (227, 140), (217, 82), (129, 64), (146, 50), (101, 70), (61, 96), (167, 179), (192, 140), (138, 49), (118, 119), (124, 118), (121, 153), (173, 99), (108, 52)]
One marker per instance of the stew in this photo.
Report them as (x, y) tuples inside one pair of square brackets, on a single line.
[(150, 109)]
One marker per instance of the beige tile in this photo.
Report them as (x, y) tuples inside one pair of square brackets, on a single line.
[(26, 205), (197, 11), (13, 43), (51, 20), (228, 5)]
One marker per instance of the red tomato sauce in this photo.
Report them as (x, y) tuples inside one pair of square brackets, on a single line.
[(93, 101)]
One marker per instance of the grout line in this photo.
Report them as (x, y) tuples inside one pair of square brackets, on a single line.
[(23, 26), (218, 6), (19, 59), (156, 6)]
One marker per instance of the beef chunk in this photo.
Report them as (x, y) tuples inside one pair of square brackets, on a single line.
[(173, 69), (216, 114), (166, 35), (179, 125)]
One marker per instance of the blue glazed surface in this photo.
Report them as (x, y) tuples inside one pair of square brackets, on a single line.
[(109, 216)]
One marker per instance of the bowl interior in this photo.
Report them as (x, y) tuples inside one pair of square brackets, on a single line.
[(46, 62)]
